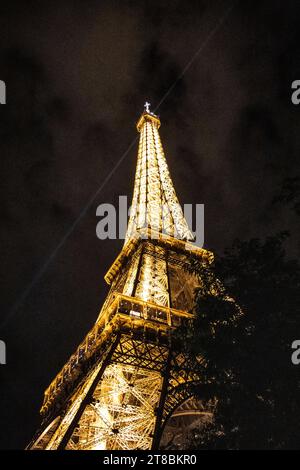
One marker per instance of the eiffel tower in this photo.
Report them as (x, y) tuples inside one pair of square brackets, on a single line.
[(127, 386)]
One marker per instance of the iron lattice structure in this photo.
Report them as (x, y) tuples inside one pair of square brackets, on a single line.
[(127, 381)]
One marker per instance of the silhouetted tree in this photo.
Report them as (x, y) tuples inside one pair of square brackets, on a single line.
[(289, 193), (248, 355)]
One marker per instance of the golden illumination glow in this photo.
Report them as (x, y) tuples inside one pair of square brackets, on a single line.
[(109, 395), (155, 204), (121, 415)]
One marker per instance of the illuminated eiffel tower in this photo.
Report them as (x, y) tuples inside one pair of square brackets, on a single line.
[(127, 386)]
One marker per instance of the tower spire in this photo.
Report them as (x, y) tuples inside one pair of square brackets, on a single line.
[(147, 107), (155, 205)]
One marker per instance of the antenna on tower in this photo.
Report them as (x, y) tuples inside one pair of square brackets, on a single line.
[(147, 107)]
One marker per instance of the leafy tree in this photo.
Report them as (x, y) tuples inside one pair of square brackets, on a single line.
[(289, 194), (248, 355)]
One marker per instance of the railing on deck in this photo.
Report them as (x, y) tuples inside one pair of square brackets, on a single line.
[(121, 305)]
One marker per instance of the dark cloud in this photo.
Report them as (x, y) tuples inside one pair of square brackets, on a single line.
[(77, 75)]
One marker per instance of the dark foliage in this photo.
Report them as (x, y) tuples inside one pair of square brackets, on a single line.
[(290, 194), (248, 356)]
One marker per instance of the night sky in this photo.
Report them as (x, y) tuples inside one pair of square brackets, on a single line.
[(77, 76)]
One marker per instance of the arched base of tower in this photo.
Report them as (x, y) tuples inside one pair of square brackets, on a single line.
[(186, 423)]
